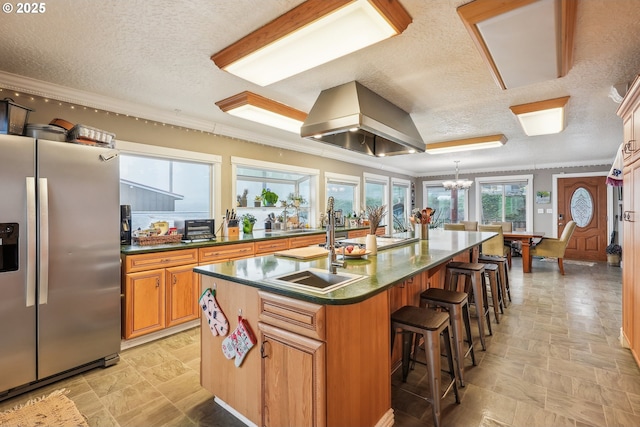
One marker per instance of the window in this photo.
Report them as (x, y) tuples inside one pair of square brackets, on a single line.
[(376, 193), (401, 204), (252, 176), (506, 199), (165, 184), (439, 198), (345, 190)]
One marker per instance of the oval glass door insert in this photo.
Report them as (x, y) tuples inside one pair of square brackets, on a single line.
[(581, 207)]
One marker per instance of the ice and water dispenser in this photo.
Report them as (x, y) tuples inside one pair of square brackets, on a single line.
[(8, 246)]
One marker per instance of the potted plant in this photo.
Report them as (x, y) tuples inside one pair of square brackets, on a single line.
[(257, 201), (614, 251), (247, 223), (296, 199), (242, 199), (270, 198)]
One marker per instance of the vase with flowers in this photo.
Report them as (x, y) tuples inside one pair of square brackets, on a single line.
[(422, 219), (375, 214)]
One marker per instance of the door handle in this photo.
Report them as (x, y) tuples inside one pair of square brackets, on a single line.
[(31, 241), (43, 278)]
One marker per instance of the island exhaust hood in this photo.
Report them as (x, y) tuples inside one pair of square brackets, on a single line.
[(353, 117)]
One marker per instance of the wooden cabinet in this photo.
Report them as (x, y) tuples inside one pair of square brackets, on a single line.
[(182, 288), (148, 305), (629, 110), (351, 234), (304, 241), (221, 253), (144, 310), (293, 361), (263, 247)]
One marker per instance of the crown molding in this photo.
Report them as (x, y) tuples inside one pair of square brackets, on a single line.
[(101, 102)]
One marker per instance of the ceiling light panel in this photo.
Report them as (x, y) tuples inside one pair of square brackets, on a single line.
[(469, 144), (256, 108), (315, 32), (542, 117), (522, 41)]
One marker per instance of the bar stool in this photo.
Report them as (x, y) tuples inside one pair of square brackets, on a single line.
[(504, 274), (476, 289), (431, 324), (495, 283), (457, 305)]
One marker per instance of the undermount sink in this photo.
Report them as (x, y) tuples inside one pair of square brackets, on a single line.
[(316, 280)]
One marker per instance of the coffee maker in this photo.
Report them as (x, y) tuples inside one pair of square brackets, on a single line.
[(125, 224)]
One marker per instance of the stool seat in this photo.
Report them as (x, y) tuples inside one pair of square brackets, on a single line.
[(434, 327), (419, 318), (473, 266), (442, 295)]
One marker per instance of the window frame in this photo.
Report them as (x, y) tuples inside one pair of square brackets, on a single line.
[(215, 180), (507, 179), (399, 182), (330, 177), (438, 184), (378, 179), (278, 167)]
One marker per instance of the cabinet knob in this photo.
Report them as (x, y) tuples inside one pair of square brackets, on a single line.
[(157, 283)]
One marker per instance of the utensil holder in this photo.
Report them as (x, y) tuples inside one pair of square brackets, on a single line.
[(424, 231)]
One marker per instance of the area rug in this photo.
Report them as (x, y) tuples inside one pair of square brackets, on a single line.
[(570, 261), (55, 409)]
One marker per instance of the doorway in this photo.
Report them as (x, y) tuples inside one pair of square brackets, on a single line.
[(584, 199)]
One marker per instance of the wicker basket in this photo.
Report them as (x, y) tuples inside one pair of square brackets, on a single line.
[(157, 240)]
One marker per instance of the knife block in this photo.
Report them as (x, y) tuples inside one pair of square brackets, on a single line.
[(230, 229)]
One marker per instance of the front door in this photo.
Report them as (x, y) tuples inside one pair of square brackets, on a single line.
[(584, 200)]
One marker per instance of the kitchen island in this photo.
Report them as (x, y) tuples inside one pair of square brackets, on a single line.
[(320, 359)]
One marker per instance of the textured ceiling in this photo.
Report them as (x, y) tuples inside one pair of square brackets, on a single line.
[(151, 58)]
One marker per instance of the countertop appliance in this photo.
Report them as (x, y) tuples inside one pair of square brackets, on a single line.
[(60, 280), (196, 229)]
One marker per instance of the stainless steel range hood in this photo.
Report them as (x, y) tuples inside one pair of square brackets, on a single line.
[(353, 117)]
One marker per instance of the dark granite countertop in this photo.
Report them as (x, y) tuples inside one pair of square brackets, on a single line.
[(382, 271), (243, 238)]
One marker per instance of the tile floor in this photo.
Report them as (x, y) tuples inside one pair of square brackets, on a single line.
[(554, 360)]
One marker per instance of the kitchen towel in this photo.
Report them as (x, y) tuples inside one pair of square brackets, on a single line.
[(218, 323)]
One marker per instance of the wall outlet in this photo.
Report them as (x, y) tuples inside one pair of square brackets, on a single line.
[(540, 210)]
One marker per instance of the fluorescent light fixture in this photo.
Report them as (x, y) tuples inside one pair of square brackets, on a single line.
[(542, 117), (256, 108), (478, 143), (311, 34), (539, 45)]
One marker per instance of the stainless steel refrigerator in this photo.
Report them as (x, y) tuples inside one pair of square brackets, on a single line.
[(59, 261)]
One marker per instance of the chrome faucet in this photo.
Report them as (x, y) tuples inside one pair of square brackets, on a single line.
[(331, 238)]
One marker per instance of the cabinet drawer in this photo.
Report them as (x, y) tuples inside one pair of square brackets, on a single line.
[(268, 246), (297, 316), (160, 260), (357, 233), (225, 252), (303, 241)]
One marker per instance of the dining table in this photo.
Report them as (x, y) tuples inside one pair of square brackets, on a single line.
[(526, 238)]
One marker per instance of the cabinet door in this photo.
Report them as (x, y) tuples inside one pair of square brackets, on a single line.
[(182, 294), (293, 379), (144, 303)]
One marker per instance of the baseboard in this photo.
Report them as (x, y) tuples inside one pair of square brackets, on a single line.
[(134, 342), (233, 412)]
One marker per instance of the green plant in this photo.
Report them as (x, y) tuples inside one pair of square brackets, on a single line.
[(296, 198), (248, 219), (269, 196)]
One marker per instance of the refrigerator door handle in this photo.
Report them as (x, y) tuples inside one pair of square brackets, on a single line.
[(43, 278), (31, 241)]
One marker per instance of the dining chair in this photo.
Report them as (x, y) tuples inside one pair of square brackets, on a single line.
[(515, 245), (456, 227), (495, 245), (553, 247), (470, 225)]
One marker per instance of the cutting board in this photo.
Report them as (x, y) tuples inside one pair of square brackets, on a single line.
[(308, 252)]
